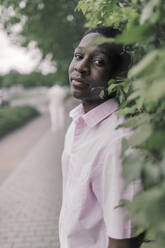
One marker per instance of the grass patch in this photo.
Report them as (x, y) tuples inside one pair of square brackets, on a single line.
[(12, 118)]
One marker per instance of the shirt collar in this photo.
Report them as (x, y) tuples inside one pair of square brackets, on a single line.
[(76, 112), (97, 114)]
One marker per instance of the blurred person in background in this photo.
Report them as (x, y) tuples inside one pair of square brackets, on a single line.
[(56, 95)]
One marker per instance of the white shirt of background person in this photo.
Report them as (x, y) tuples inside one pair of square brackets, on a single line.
[(56, 96)]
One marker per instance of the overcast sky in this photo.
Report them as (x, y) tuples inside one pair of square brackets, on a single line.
[(18, 58)]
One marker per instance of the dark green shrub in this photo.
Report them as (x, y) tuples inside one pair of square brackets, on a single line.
[(142, 99), (14, 117)]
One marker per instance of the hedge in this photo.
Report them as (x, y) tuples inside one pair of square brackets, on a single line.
[(142, 100), (12, 118)]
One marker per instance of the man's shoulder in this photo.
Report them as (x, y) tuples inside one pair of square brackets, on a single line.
[(110, 131), (111, 123)]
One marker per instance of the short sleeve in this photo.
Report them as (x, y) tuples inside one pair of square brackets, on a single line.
[(108, 186)]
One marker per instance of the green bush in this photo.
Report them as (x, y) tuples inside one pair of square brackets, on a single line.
[(14, 117), (142, 98)]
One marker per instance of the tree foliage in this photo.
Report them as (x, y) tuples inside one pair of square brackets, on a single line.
[(142, 101), (33, 79), (54, 26)]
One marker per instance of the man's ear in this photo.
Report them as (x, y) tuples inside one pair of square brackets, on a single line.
[(126, 63), (122, 64)]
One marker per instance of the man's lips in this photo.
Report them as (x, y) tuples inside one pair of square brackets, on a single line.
[(78, 83)]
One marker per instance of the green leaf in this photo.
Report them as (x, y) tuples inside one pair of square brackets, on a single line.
[(132, 165), (147, 205), (148, 11), (146, 61), (136, 121), (101, 95), (156, 91), (135, 34), (156, 141), (140, 135), (82, 6), (127, 110), (123, 203), (114, 86), (100, 40)]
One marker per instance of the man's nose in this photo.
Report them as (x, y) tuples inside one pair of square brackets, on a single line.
[(82, 66)]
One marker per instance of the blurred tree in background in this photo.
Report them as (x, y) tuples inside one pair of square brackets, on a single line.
[(33, 79), (54, 26), (142, 101)]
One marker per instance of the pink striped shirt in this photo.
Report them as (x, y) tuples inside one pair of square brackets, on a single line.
[(92, 182)]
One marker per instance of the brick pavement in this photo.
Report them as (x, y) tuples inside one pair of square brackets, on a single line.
[(30, 198), (16, 146)]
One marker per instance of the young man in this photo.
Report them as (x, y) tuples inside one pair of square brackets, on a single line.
[(92, 182)]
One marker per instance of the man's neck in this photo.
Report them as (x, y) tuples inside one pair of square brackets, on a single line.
[(89, 106)]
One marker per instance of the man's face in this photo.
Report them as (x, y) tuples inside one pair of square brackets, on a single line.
[(90, 70)]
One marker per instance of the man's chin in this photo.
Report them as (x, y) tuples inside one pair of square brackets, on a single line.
[(87, 97), (78, 94)]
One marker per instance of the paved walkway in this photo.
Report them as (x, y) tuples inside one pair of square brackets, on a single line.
[(16, 146), (30, 198)]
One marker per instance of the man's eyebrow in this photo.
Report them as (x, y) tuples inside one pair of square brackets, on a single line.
[(100, 51), (95, 52), (79, 48)]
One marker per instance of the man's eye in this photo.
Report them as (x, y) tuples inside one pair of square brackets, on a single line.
[(99, 62), (78, 56)]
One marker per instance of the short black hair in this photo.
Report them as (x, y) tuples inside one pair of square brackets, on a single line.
[(108, 32), (121, 60)]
